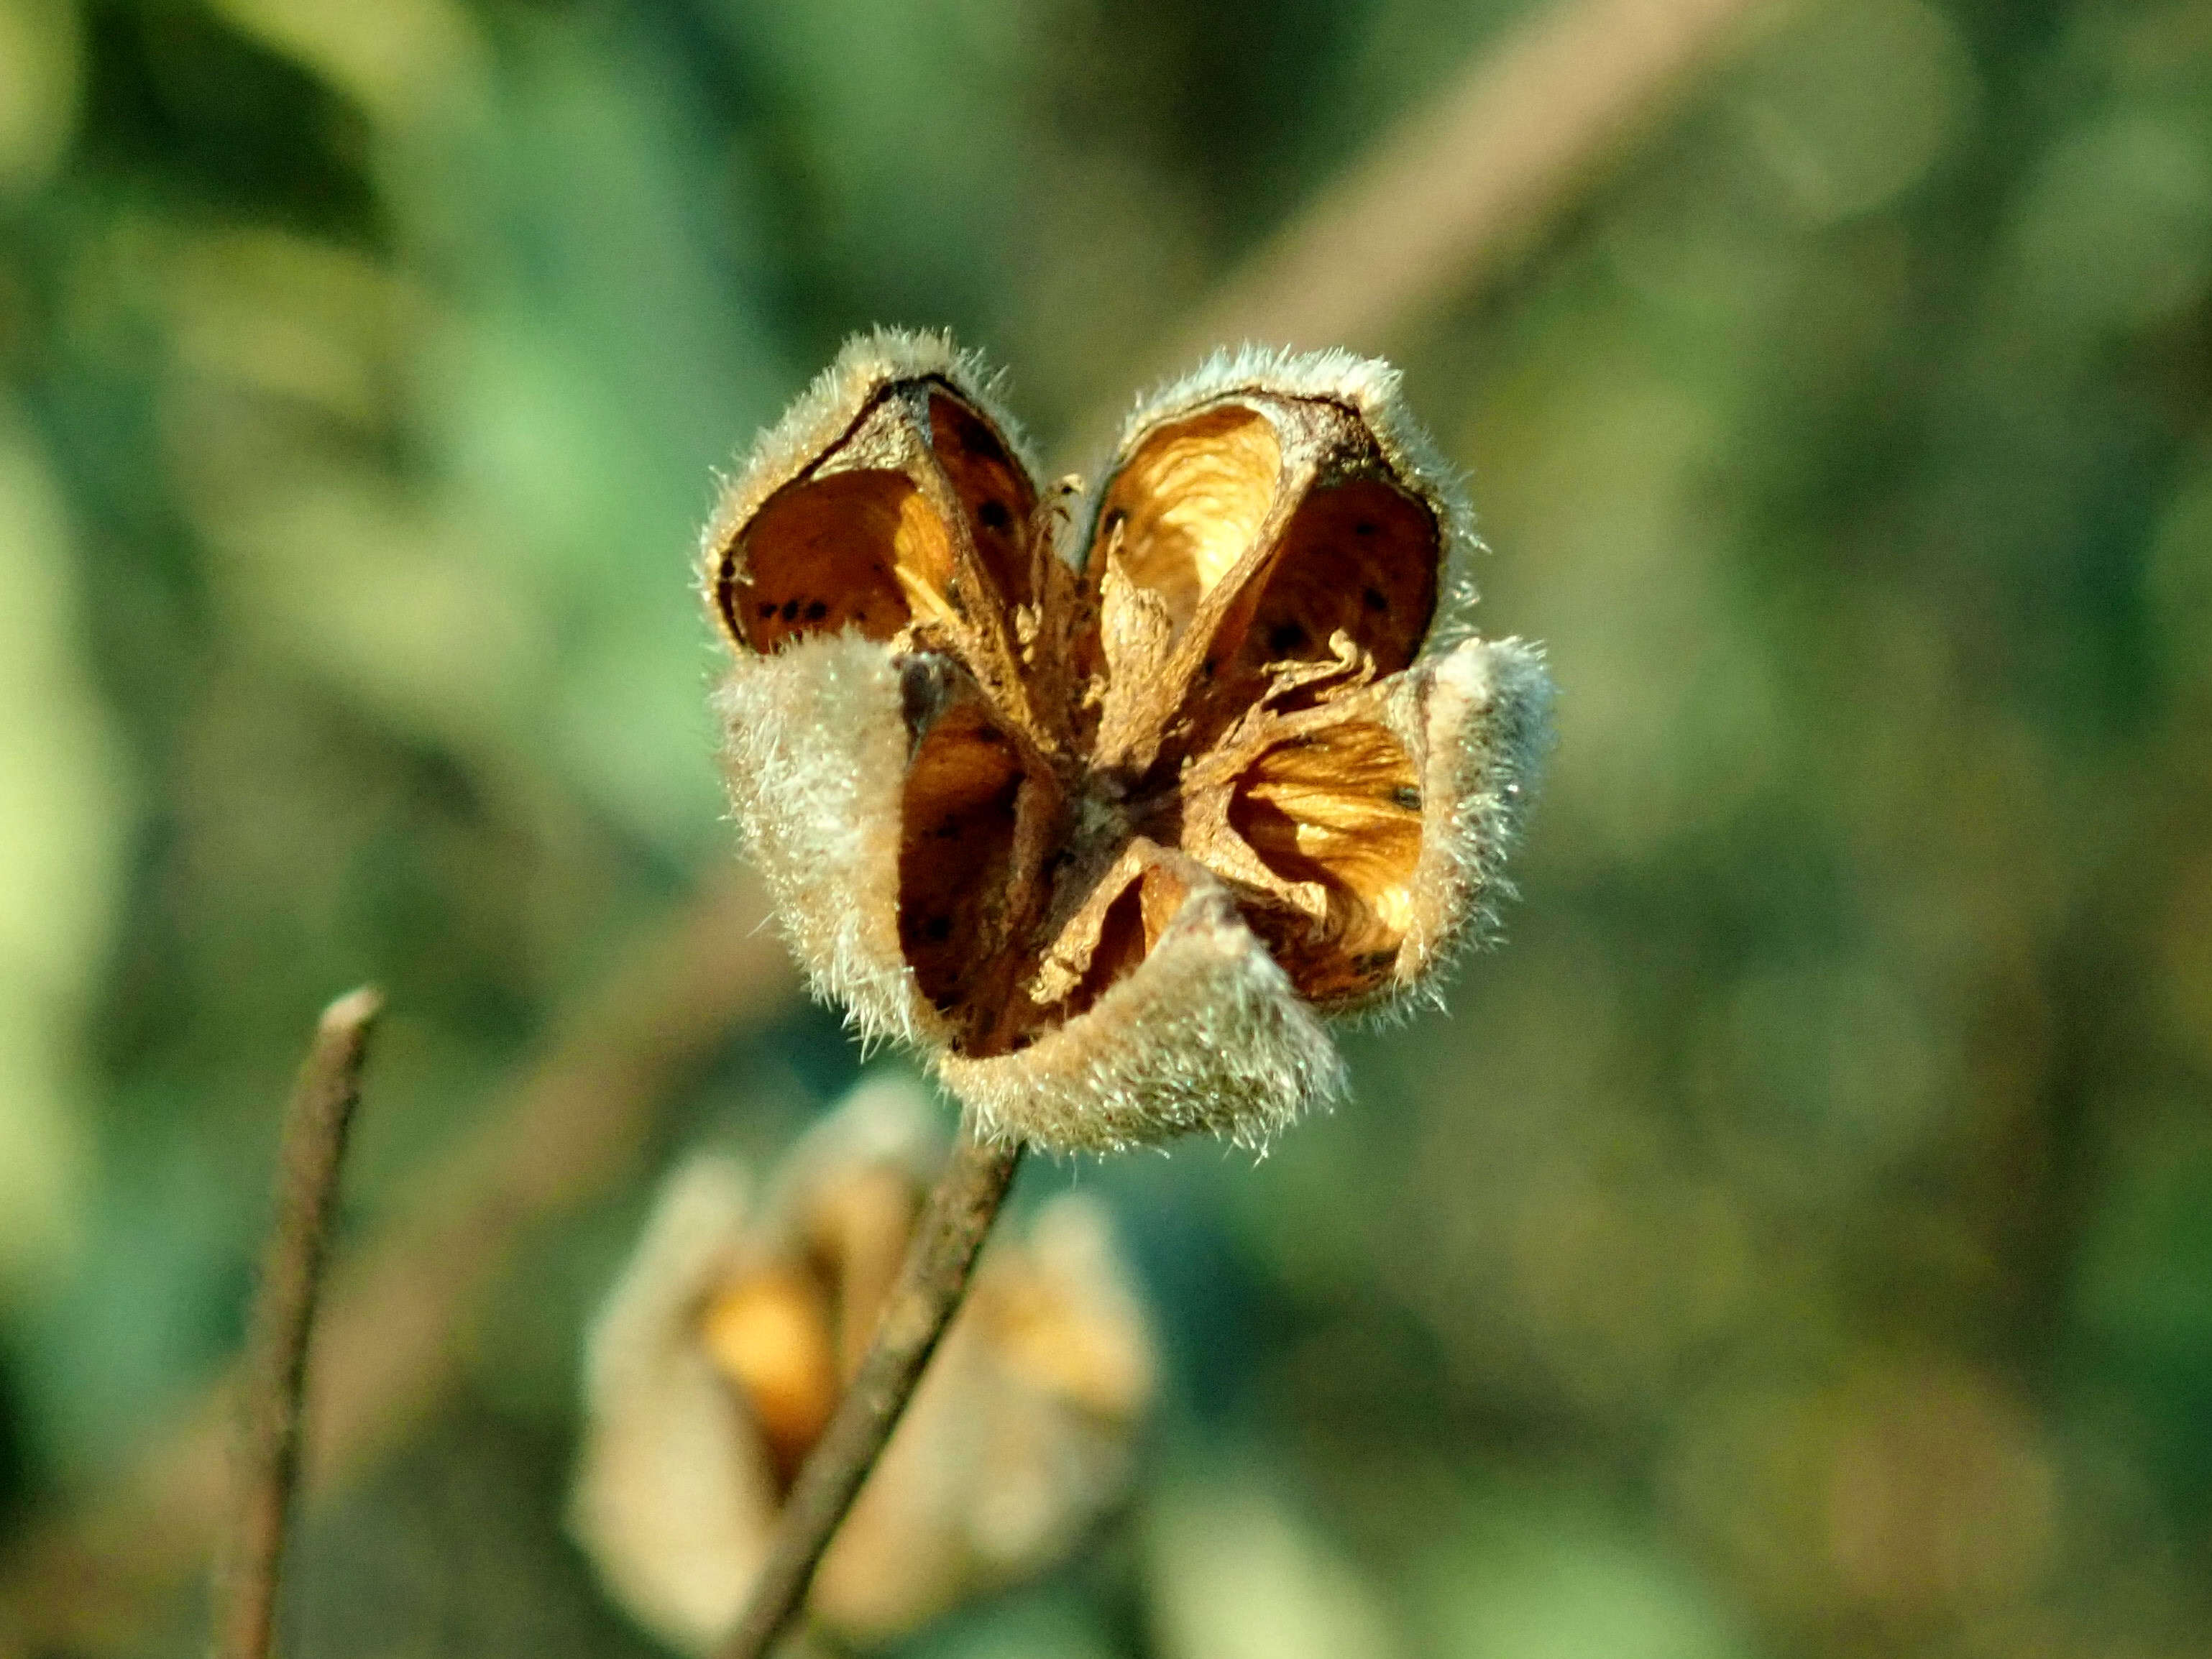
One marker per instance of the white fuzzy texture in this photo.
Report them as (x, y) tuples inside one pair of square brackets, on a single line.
[(821, 417), (814, 752), (1205, 1036), (1374, 391), (1484, 709)]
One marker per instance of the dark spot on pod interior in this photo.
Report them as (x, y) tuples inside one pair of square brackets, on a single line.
[(791, 609), (921, 689), (936, 929), (818, 611), (1374, 601), (994, 515), (1285, 637)]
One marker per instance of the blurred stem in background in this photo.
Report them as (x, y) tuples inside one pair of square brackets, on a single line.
[(1798, 1248)]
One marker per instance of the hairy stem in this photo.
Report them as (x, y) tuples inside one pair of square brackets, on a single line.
[(268, 1459), (931, 1283)]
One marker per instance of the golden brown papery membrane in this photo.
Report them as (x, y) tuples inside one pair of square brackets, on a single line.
[(1104, 798)]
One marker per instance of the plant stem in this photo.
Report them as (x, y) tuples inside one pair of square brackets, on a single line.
[(572, 1122), (931, 1283), (268, 1459)]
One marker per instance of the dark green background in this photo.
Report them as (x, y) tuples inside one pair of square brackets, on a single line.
[(1796, 1241)]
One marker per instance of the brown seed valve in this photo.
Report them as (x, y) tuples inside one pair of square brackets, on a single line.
[(1104, 798)]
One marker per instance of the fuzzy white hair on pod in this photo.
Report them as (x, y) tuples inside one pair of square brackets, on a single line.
[(815, 754), (1206, 1034), (671, 1510), (1483, 722), (1372, 389)]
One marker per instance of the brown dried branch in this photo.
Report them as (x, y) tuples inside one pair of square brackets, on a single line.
[(1446, 199), (316, 1127), (931, 1283)]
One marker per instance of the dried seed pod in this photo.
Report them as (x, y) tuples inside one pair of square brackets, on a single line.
[(720, 1354), (1104, 810)]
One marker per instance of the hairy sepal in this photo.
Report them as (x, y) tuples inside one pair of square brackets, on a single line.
[(1205, 1036), (815, 753), (1480, 712)]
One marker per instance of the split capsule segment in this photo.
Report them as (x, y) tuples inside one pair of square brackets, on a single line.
[(1105, 804)]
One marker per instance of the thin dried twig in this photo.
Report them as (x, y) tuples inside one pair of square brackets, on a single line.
[(931, 1283), (316, 1126), (386, 1348)]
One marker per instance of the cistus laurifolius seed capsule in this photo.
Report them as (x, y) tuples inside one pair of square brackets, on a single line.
[(1104, 798)]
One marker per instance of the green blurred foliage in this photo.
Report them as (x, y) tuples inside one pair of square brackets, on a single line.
[(1797, 1240)]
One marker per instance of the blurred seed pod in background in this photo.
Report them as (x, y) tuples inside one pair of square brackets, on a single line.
[(721, 1351)]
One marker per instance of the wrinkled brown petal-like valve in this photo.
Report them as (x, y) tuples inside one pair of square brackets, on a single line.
[(1104, 807)]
